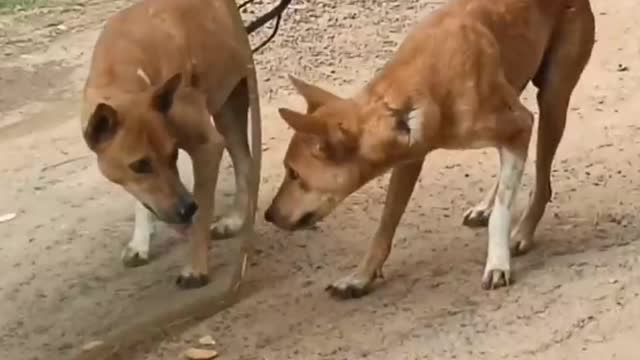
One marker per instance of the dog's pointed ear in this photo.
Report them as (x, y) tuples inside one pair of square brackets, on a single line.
[(162, 98), (303, 123), (313, 95), (101, 127)]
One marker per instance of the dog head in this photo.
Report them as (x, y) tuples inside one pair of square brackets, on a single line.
[(136, 144), (338, 146)]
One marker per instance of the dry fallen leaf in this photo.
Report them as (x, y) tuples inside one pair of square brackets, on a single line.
[(200, 354), (207, 340)]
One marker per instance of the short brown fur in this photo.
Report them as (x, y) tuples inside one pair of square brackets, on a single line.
[(160, 70), (454, 83)]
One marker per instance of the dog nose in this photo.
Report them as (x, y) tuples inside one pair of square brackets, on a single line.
[(187, 210), (268, 215)]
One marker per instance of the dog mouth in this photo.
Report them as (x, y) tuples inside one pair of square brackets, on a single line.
[(150, 209), (177, 225), (308, 220), (180, 229)]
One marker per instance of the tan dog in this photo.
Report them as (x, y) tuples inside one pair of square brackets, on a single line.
[(160, 70), (453, 84)]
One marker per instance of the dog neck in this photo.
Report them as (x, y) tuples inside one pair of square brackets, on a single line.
[(395, 114)]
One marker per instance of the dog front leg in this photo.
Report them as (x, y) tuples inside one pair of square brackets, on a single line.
[(206, 162), (136, 252), (401, 185)]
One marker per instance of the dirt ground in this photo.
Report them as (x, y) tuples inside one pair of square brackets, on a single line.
[(576, 295)]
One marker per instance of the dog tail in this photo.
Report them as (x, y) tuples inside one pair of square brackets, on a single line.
[(247, 233), (275, 13), (256, 132)]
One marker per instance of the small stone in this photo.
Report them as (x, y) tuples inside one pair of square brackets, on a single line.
[(92, 345), (207, 340), (622, 68)]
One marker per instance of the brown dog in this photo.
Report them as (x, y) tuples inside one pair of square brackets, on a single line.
[(453, 84), (160, 70)]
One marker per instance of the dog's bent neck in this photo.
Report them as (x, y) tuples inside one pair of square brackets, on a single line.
[(392, 103)]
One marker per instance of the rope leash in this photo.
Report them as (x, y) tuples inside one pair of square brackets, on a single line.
[(275, 13)]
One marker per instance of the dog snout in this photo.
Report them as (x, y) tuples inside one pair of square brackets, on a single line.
[(187, 210), (274, 216)]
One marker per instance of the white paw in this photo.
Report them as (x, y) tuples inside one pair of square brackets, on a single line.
[(496, 275), (353, 286), (227, 226), (133, 257), (477, 217)]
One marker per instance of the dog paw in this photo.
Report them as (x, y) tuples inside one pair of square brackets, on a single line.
[(521, 244), (521, 247), (496, 278), (190, 279), (226, 227), (351, 287), (476, 217), (134, 257)]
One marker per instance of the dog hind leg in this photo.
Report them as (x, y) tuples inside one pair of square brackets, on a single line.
[(563, 66)]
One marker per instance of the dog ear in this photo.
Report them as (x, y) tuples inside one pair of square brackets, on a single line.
[(337, 139), (313, 125), (101, 127), (303, 123), (313, 95), (163, 96)]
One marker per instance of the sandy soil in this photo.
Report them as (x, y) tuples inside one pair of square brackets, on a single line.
[(576, 295)]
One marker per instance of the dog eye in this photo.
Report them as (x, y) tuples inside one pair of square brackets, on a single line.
[(142, 166), (292, 174)]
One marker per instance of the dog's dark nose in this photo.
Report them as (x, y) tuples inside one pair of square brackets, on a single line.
[(305, 220), (268, 215), (187, 210)]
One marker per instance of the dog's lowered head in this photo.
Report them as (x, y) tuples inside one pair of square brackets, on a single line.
[(338, 146), (137, 145)]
